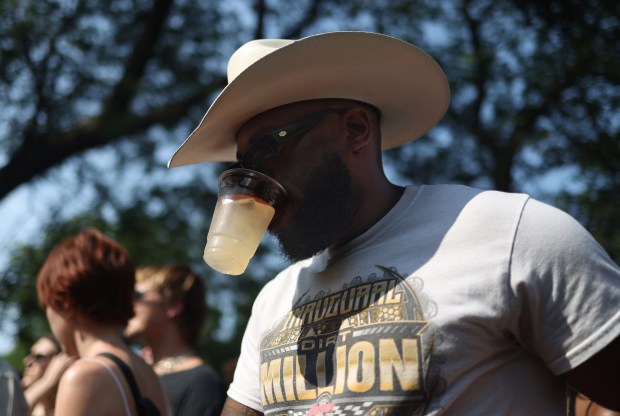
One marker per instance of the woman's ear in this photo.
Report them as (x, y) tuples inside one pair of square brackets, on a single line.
[(359, 128), (174, 309), (67, 311)]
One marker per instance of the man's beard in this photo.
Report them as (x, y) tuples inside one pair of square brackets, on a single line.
[(322, 213)]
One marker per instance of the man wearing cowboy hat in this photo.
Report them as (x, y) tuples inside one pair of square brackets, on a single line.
[(401, 300)]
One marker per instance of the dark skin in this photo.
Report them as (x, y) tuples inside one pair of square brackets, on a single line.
[(354, 136), (599, 377), (234, 408)]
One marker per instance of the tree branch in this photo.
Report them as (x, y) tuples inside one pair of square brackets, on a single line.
[(142, 52), (41, 150), (30, 161)]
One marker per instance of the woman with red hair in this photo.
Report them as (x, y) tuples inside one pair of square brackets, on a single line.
[(86, 289)]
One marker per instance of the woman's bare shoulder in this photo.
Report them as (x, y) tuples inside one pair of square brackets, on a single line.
[(86, 370), (83, 388)]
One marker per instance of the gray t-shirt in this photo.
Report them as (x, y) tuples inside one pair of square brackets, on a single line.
[(197, 391), (458, 301), (12, 400)]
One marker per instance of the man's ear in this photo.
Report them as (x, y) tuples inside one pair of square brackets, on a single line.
[(359, 128)]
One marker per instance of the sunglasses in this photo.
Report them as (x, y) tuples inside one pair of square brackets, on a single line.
[(40, 357), (138, 294), (266, 149)]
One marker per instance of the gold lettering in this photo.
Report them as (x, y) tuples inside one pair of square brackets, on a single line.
[(361, 297), (341, 369), (290, 319), (394, 294), (343, 334), (321, 374), (307, 344), (405, 368), (270, 382), (288, 377), (332, 306), (361, 367), (308, 313), (295, 320), (300, 382), (331, 340), (319, 313), (347, 302), (378, 292)]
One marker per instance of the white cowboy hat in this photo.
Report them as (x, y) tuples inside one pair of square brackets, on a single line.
[(401, 80)]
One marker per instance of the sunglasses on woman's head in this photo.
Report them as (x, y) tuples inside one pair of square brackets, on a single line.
[(267, 148)]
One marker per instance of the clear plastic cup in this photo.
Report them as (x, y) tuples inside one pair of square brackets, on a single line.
[(245, 206)]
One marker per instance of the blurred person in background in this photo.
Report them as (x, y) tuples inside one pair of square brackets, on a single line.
[(586, 407), (12, 401), (170, 311), (43, 368), (86, 288)]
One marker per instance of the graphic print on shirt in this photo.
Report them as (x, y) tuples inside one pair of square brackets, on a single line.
[(363, 350)]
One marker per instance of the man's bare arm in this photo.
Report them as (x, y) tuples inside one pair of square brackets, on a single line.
[(234, 408), (599, 377)]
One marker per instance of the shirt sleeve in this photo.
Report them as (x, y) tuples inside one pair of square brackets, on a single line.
[(565, 287), (245, 387)]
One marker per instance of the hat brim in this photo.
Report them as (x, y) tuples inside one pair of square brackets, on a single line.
[(401, 80)]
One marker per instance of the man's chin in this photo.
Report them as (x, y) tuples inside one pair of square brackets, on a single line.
[(295, 249)]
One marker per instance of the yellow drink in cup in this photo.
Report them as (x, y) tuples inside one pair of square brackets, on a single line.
[(238, 225), (245, 207)]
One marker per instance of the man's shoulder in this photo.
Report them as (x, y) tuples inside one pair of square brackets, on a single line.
[(451, 202), (457, 191), (7, 370)]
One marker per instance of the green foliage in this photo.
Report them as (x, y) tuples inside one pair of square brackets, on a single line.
[(18, 284)]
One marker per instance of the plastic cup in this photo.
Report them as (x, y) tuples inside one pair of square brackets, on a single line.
[(245, 206)]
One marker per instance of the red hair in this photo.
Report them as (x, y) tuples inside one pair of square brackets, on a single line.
[(89, 274)]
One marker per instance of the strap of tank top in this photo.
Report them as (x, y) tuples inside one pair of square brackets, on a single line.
[(131, 381), (116, 380)]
